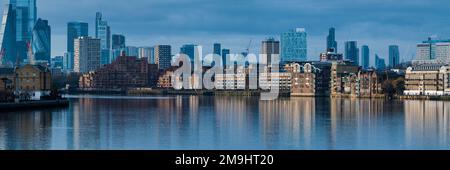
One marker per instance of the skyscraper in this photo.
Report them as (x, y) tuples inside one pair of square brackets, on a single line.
[(8, 52), (294, 45), (380, 63), (118, 41), (42, 41), (87, 54), (352, 52), (427, 49), (365, 56), (443, 52), (74, 31), (331, 40), (225, 52), (147, 52), (270, 47), (217, 48), (163, 56), (103, 32), (19, 18), (394, 55), (132, 51), (189, 50), (118, 46)]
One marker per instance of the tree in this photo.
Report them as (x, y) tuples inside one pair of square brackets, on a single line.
[(388, 88), (399, 85)]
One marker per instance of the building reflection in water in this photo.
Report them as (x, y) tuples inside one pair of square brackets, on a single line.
[(426, 124), (229, 122), (26, 130), (288, 122), (359, 123)]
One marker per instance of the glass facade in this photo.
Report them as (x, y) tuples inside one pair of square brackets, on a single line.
[(8, 37), (42, 41), (394, 55), (352, 52), (163, 56), (365, 56), (19, 18), (189, 50), (118, 41), (331, 41), (217, 48), (294, 46), (74, 31), (103, 32)]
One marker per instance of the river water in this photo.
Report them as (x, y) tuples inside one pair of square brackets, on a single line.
[(221, 123)]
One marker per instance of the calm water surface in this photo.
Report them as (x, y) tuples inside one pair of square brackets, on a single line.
[(201, 122)]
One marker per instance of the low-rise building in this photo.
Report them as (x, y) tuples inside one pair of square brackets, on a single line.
[(310, 78), (427, 79), (343, 78), (125, 72), (35, 80), (7, 78), (165, 79)]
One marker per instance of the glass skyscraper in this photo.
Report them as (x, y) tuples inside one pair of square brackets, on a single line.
[(331, 41), (42, 41), (103, 32), (217, 48), (163, 56), (380, 63), (352, 52), (225, 53), (189, 50), (294, 45), (394, 55), (118, 41), (365, 56), (8, 51), (19, 18), (74, 31)]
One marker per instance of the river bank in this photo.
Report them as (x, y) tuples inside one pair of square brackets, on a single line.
[(34, 104)]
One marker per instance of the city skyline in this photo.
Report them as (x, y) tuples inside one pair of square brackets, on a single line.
[(378, 29)]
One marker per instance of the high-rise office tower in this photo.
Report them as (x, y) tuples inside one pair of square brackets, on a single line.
[(87, 54), (352, 52), (365, 56), (118, 46), (394, 55), (270, 47), (8, 52), (189, 50), (443, 52), (118, 41), (163, 56), (225, 53), (103, 32), (380, 63), (132, 51), (19, 18), (74, 31), (331, 40), (217, 48), (147, 52), (42, 41), (294, 45)]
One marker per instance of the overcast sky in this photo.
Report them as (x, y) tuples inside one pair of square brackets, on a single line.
[(377, 23)]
